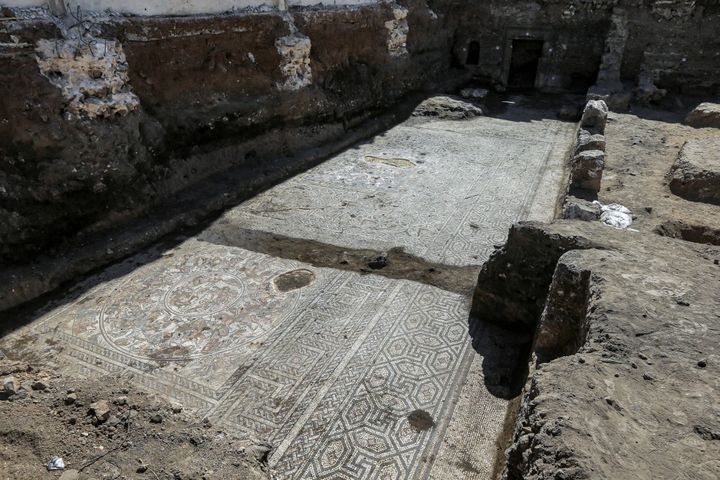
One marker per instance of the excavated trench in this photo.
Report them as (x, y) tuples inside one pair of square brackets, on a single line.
[(329, 315), (314, 258)]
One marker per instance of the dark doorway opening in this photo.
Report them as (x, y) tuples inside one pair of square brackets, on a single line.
[(473, 56), (524, 63)]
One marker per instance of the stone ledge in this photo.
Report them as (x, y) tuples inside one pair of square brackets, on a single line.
[(625, 350), (696, 172)]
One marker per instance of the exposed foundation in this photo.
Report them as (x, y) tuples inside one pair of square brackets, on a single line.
[(335, 239)]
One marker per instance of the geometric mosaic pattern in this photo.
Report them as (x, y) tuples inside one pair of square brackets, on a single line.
[(461, 186), (327, 373)]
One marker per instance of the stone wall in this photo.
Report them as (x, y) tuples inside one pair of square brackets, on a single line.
[(676, 42)]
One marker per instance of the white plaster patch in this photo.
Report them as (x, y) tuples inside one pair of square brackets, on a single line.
[(92, 76), (398, 30), (295, 64)]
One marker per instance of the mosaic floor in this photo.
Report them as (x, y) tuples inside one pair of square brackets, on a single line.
[(329, 366), (446, 191)]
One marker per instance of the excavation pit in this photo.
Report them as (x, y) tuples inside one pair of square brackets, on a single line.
[(320, 314)]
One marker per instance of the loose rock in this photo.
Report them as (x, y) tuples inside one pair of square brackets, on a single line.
[(101, 409), (10, 386), (449, 108), (704, 115)]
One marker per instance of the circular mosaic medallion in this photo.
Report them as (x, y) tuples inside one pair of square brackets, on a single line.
[(203, 294), (197, 306)]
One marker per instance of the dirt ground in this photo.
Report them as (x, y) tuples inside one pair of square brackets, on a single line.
[(105, 429), (641, 149)]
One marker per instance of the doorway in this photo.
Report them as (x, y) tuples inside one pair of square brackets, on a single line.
[(473, 56), (524, 63)]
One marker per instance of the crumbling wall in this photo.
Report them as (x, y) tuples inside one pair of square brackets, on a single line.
[(574, 33), (92, 76), (139, 115), (675, 43)]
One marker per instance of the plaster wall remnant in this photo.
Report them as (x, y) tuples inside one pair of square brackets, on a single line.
[(609, 74), (398, 30), (295, 64), (92, 77)]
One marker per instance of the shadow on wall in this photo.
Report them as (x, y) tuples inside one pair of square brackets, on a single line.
[(505, 356)]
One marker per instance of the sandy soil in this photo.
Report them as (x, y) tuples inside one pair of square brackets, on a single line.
[(139, 436)]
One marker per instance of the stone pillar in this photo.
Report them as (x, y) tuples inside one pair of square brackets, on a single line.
[(609, 86)]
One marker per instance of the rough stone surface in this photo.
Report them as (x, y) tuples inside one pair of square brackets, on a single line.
[(696, 173), (586, 34), (611, 64), (704, 115), (515, 297), (594, 116), (579, 209), (71, 474), (294, 51), (616, 379), (588, 141), (10, 386), (447, 107), (41, 426), (586, 170), (696, 233), (642, 148), (101, 410), (398, 30)]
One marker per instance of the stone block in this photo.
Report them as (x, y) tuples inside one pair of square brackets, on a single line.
[(579, 209), (586, 170), (588, 141), (704, 115), (696, 172), (595, 116), (448, 108)]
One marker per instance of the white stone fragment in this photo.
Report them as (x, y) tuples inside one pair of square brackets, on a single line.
[(295, 64)]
